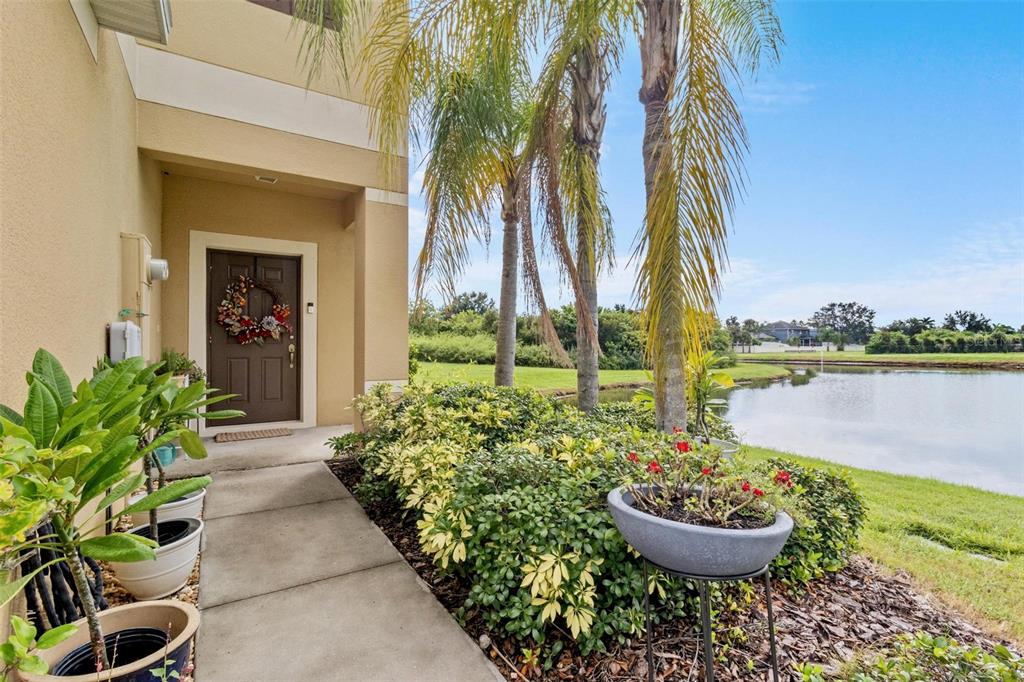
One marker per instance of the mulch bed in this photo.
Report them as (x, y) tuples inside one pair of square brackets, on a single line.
[(858, 608)]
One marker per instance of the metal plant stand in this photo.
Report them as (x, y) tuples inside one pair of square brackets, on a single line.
[(705, 617)]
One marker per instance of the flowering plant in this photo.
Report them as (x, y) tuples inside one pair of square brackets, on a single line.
[(247, 329), (696, 484)]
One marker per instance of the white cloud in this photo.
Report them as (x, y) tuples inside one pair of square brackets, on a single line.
[(773, 95), (980, 269)]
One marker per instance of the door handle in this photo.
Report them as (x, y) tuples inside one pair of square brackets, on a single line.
[(291, 356)]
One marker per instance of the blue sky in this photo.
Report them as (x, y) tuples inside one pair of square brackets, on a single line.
[(886, 166)]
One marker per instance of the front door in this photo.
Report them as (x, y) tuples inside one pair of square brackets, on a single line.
[(264, 374)]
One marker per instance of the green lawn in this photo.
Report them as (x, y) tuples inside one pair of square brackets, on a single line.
[(963, 544), (549, 378), (888, 358)]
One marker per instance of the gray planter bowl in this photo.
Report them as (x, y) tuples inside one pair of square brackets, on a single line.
[(728, 447), (697, 550)]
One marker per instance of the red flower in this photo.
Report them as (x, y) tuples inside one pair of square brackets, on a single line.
[(632, 457), (676, 429), (758, 492), (705, 471), (682, 446), (745, 487), (782, 478), (654, 468)]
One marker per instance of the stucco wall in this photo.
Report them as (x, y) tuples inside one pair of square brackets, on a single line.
[(211, 31), (198, 204), (73, 180)]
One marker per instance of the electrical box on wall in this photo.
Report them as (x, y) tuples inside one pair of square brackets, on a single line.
[(125, 340)]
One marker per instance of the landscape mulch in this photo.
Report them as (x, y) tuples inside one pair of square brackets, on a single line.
[(857, 609)]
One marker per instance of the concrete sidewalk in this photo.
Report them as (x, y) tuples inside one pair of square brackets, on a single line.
[(298, 585)]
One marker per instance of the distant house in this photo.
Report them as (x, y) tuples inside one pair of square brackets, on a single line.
[(784, 331)]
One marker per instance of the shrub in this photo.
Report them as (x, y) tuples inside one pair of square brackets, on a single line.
[(923, 658), (479, 349), (508, 489)]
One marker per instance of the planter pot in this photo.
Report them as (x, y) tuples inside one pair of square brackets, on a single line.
[(140, 634), (166, 454), (180, 379), (187, 507), (697, 550), (168, 573), (729, 449)]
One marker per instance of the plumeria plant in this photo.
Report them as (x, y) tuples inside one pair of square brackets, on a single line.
[(69, 457), (696, 484)]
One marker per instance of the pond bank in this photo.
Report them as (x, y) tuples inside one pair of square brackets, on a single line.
[(963, 544)]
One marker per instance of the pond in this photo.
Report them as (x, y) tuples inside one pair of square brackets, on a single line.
[(962, 426)]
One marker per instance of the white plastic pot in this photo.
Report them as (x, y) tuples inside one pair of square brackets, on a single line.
[(188, 507), (169, 572)]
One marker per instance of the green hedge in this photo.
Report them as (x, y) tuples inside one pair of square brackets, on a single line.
[(508, 490), (944, 341), (479, 349)]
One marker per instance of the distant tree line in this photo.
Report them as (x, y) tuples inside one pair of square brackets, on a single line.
[(464, 331), (962, 331)]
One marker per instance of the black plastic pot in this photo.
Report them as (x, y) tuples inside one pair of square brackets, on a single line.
[(123, 648), (169, 531)]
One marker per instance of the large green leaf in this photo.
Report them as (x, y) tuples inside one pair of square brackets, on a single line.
[(49, 370), (52, 638), (9, 428), (119, 547), (10, 415), (192, 444), (222, 414), (41, 414), (169, 492), (111, 383), (122, 489), (10, 590), (113, 468)]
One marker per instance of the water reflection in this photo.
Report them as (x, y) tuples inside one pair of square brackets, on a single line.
[(964, 426)]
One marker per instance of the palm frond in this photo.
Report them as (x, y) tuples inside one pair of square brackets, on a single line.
[(682, 250), (532, 285)]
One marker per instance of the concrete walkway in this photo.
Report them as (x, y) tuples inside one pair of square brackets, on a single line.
[(298, 585)]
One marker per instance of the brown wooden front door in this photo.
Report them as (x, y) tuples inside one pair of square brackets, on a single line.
[(265, 377)]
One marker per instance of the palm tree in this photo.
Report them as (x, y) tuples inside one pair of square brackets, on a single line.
[(477, 134), (691, 51)]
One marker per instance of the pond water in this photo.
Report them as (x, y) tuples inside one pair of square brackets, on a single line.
[(963, 426)]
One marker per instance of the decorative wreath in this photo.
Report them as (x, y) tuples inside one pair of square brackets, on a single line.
[(245, 329)]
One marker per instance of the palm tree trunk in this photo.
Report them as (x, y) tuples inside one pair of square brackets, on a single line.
[(659, 59), (505, 357), (588, 119)]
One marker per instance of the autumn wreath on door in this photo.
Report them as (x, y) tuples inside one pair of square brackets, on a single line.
[(245, 329)]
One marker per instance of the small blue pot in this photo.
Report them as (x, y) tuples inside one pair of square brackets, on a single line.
[(166, 454)]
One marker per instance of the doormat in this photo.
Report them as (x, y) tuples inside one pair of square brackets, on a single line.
[(250, 435)]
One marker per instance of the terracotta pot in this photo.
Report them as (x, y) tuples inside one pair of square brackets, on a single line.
[(697, 550), (177, 619), (169, 572)]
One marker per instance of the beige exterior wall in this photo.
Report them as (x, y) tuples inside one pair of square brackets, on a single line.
[(72, 181), (82, 156), (247, 38), (198, 204)]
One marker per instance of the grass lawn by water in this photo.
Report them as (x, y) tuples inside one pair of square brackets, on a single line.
[(964, 544), (551, 378), (972, 359)]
